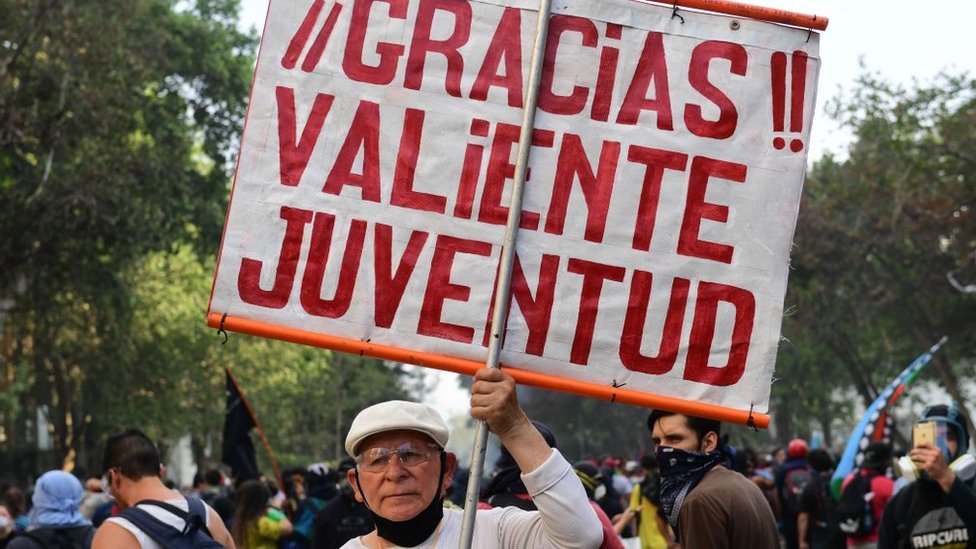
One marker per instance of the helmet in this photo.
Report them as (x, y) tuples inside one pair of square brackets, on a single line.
[(951, 416), (797, 449)]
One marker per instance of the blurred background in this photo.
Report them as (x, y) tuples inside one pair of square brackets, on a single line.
[(119, 123)]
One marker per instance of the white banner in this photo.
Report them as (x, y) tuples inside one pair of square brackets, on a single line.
[(665, 177)]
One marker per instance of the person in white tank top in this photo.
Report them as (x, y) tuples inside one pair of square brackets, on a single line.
[(131, 463)]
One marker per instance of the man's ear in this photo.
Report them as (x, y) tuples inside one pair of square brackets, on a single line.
[(709, 442), (450, 465), (351, 477)]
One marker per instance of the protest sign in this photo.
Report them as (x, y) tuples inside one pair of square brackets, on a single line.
[(664, 182)]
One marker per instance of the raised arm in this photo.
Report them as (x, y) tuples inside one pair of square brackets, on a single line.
[(564, 518), (494, 400)]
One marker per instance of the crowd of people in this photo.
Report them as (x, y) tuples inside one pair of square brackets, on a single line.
[(400, 487)]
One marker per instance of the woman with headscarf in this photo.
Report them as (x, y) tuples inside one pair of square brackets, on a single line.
[(55, 520)]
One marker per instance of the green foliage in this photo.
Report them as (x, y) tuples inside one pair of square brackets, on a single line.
[(877, 235), (108, 112), (586, 427), (119, 122), (177, 373)]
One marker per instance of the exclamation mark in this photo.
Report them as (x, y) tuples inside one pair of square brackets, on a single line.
[(777, 65), (796, 97)]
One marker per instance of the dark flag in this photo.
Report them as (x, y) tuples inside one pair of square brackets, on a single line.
[(237, 448)]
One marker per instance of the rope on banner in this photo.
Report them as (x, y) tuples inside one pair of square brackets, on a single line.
[(221, 330), (613, 396), (674, 14)]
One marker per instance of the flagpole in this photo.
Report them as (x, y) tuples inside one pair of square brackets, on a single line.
[(503, 285), (259, 429)]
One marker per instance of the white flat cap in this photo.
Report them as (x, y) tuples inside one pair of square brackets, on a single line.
[(396, 415)]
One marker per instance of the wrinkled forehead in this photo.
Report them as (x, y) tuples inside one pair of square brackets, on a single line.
[(393, 439)]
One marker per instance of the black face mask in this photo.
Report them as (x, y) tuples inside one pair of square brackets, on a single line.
[(411, 532)]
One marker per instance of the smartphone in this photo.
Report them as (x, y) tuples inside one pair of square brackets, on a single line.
[(932, 432), (923, 433)]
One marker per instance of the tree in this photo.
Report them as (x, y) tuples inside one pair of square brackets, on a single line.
[(877, 235), (119, 122), (117, 119)]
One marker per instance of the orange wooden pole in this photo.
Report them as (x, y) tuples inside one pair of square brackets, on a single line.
[(728, 7), (469, 367)]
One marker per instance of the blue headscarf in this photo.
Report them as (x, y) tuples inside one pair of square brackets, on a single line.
[(57, 496)]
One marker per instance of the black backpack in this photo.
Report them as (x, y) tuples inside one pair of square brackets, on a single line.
[(62, 538), (828, 510), (194, 535), (793, 484), (855, 517)]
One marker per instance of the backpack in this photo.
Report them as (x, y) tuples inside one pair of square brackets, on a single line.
[(60, 538), (794, 482), (828, 511), (855, 517), (194, 535)]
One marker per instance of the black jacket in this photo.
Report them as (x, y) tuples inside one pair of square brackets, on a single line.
[(79, 537), (922, 516)]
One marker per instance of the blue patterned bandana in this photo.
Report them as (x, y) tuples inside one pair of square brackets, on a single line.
[(680, 472)]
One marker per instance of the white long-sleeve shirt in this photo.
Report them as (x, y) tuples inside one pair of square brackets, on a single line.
[(564, 520)]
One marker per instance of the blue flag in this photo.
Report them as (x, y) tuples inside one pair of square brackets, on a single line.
[(874, 424)]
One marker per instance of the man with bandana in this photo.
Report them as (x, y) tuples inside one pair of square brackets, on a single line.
[(708, 504), (403, 472), (937, 511)]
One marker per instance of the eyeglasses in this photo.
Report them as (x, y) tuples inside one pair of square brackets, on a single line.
[(376, 460)]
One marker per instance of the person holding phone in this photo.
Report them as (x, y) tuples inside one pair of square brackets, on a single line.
[(938, 510)]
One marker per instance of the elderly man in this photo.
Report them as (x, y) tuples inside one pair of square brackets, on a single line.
[(402, 475), (706, 503)]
